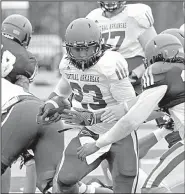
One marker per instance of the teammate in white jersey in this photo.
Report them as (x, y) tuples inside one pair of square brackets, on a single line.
[(126, 27), (98, 79)]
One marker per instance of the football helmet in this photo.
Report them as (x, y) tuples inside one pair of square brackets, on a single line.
[(176, 32), (83, 43), (163, 47), (17, 27), (111, 6)]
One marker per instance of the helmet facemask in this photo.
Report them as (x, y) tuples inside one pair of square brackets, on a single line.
[(83, 55), (111, 6), (163, 58)]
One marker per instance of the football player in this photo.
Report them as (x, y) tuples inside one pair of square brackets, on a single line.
[(98, 78), (163, 84), (127, 28), (19, 129)]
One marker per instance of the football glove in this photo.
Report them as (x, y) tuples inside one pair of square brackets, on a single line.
[(50, 111), (165, 121), (79, 117)]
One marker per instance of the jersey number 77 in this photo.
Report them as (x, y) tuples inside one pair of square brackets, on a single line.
[(112, 35)]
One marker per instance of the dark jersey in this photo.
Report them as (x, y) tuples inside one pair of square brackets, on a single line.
[(166, 74), (24, 64)]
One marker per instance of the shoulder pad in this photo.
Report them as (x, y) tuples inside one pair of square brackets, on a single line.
[(113, 63), (64, 61), (142, 14), (94, 14)]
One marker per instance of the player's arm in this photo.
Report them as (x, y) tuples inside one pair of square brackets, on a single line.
[(145, 22), (147, 35), (56, 103), (114, 113), (146, 103), (136, 115), (145, 25), (148, 141), (62, 89)]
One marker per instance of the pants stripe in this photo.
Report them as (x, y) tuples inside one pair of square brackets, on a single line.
[(171, 150), (6, 117), (165, 159), (136, 148), (169, 168)]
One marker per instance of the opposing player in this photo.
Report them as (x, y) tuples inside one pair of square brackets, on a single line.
[(163, 83), (19, 129), (98, 79), (127, 28)]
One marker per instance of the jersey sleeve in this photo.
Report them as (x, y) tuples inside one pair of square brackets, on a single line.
[(154, 76), (114, 66), (122, 90), (63, 88), (94, 14), (142, 14), (63, 63)]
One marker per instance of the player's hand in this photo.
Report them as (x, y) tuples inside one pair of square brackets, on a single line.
[(86, 150), (47, 115), (133, 77), (113, 113), (52, 109), (79, 117)]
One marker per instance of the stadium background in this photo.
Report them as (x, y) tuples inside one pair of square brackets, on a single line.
[(49, 20)]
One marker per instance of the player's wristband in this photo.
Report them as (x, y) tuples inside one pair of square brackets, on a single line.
[(53, 103), (161, 133)]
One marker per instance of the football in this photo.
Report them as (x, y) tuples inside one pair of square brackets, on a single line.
[(56, 104)]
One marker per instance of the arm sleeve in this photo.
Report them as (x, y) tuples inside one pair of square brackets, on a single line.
[(135, 117), (63, 88)]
